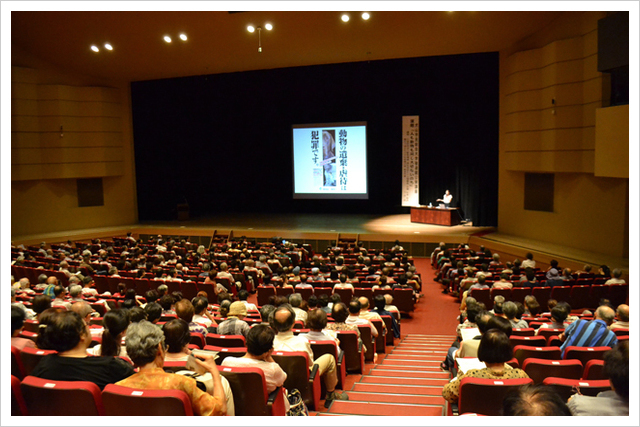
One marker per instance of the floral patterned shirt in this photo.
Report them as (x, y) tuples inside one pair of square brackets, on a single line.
[(451, 391), (202, 403)]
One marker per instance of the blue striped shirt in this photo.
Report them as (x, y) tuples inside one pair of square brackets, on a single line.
[(585, 333)]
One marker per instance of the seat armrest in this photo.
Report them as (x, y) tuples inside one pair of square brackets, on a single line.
[(314, 371), (275, 402)]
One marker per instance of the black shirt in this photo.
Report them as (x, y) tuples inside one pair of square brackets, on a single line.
[(99, 370)]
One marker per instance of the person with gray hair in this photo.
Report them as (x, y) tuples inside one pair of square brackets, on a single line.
[(622, 313), (147, 349), (75, 292), (616, 280), (295, 300), (590, 333), (510, 309)]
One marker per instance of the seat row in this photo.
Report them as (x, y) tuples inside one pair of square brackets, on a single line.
[(580, 296)]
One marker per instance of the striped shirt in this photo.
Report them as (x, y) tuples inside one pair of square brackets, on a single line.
[(585, 333)]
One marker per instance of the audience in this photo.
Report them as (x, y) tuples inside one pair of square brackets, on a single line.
[(234, 325), (534, 400), (590, 333)]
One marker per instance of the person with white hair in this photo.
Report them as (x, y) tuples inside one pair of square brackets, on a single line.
[(616, 280)]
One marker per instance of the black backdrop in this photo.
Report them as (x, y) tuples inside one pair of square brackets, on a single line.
[(222, 143)]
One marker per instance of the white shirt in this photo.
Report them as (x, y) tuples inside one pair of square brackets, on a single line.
[(447, 198), (273, 373), (357, 320), (286, 341)]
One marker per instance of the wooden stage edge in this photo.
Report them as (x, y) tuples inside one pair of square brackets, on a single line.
[(375, 231)]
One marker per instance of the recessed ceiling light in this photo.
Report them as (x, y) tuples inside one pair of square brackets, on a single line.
[(345, 18), (269, 27), (251, 29), (183, 37), (95, 48), (167, 39), (108, 46), (365, 16)]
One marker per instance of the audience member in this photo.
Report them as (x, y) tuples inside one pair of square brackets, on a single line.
[(146, 347), (622, 313), (535, 400), (590, 333), (234, 325), (185, 311), (510, 310), (611, 402), (17, 325), (69, 335), (177, 337)]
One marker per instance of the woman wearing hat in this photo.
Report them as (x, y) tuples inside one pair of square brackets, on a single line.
[(234, 325)]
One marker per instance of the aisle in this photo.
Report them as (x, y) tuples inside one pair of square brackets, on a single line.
[(408, 381)]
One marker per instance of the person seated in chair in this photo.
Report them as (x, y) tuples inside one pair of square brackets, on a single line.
[(494, 350), (622, 313), (146, 347), (185, 311), (282, 321), (177, 337), (235, 325), (536, 400)]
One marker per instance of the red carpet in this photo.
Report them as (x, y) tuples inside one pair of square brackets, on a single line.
[(388, 409)]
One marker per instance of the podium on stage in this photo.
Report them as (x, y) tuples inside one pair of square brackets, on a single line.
[(435, 215)]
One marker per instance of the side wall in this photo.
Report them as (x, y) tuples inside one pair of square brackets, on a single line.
[(96, 141), (563, 137)]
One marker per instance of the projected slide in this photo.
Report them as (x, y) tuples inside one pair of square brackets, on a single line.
[(330, 161)]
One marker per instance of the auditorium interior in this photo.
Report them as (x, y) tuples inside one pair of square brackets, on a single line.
[(524, 116)]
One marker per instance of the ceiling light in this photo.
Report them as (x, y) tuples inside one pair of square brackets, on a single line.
[(251, 29), (95, 48), (345, 18), (167, 39), (269, 27), (365, 16), (183, 37), (108, 46)]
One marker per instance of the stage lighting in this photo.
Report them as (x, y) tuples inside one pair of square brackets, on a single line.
[(365, 15), (183, 37), (108, 46), (95, 48), (345, 18), (251, 29), (167, 39)]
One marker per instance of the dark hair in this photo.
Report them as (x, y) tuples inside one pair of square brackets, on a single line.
[(265, 311), (223, 311), (166, 301), (62, 332), (495, 346), (534, 400), (153, 310), (500, 323), (260, 340), (559, 313), (379, 302), (128, 304), (287, 324), (176, 335), (497, 308), (137, 314), (354, 306), (339, 312), (185, 310), (520, 309), (312, 302), (317, 319), (199, 304), (482, 319), (17, 318), (472, 312), (243, 295), (115, 322), (151, 296), (121, 288), (616, 368), (41, 303), (130, 294)]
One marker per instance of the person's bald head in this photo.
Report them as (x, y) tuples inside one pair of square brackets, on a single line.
[(283, 318), (52, 280), (364, 303), (605, 313), (83, 309), (623, 312)]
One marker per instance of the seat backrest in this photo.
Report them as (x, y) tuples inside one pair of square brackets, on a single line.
[(482, 295), (534, 341), (506, 293), (549, 332), (539, 369), (380, 339), (18, 406), (189, 290), (305, 293), (620, 332), (51, 398), (225, 340), (224, 352), (484, 395), (367, 339), (523, 352), (388, 323), (523, 332), (584, 354), (126, 401), (542, 294), (580, 294), (197, 339), (403, 299), (618, 294), (323, 291), (594, 370), (567, 387), (30, 357), (345, 294), (296, 366), (141, 286), (561, 293), (264, 292), (518, 294), (597, 292), (249, 389), (17, 368), (354, 358)]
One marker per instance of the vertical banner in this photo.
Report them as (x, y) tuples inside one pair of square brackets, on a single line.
[(410, 160)]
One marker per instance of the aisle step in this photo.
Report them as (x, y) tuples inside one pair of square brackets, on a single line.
[(401, 389), (439, 382), (345, 407), (391, 371), (359, 396)]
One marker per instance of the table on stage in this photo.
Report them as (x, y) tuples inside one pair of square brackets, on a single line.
[(438, 216)]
